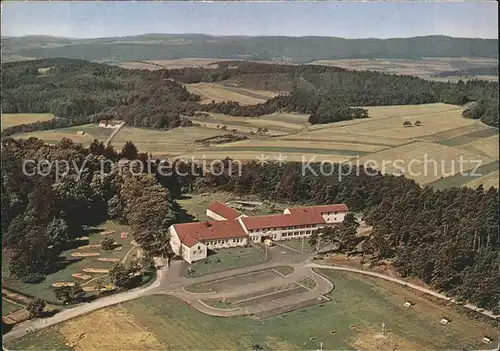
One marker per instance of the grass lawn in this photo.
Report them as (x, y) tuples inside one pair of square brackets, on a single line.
[(220, 304), (70, 265), (352, 319), (198, 288), (307, 282), (9, 307), (226, 259), (196, 205), (284, 270), (297, 245)]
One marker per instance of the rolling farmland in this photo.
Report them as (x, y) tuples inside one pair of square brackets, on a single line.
[(53, 136), (381, 141), (217, 92), (13, 119)]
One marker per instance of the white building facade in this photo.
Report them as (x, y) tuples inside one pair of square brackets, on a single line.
[(192, 241)]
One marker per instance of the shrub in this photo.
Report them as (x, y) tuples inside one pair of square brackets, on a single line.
[(108, 243), (34, 278)]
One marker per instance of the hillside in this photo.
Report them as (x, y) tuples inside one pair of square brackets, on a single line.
[(277, 48)]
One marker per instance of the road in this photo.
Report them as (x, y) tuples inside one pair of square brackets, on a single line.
[(402, 282), (174, 281), (20, 329), (113, 134)]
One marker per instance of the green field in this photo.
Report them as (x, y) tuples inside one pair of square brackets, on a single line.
[(292, 150), (352, 319), (69, 265), (469, 137), (225, 259), (463, 179), (13, 119), (54, 136), (296, 244), (9, 307)]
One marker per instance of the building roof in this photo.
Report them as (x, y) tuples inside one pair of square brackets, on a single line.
[(224, 210), (283, 220), (192, 233), (320, 209)]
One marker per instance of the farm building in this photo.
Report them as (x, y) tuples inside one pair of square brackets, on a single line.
[(232, 228), (109, 124)]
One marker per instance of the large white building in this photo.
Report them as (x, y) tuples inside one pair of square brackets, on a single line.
[(232, 228)]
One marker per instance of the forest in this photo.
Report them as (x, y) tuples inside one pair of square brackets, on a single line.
[(85, 92), (44, 211), (448, 238), (294, 49)]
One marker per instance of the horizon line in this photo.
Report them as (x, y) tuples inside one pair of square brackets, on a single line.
[(246, 36)]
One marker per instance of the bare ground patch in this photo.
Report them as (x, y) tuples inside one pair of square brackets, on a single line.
[(108, 329)]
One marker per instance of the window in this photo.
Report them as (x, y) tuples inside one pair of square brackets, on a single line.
[(199, 247), (335, 212)]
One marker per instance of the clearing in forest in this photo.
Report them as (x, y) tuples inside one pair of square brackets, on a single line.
[(216, 92), (14, 119)]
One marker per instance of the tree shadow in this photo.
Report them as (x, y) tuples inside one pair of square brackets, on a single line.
[(61, 263), (47, 314), (6, 327), (182, 215)]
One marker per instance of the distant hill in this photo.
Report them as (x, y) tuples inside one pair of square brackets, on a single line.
[(291, 49)]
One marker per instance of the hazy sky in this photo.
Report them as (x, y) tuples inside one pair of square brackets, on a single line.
[(341, 19)]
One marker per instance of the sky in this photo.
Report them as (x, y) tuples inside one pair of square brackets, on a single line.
[(339, 19)]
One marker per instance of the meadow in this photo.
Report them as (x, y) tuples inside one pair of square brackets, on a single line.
[(14, 119), (68, 264), (352, 319), (443, 135), (426, 68), (54, 136), (217, 92)]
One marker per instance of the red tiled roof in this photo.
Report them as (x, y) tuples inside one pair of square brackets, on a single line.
[(223, 210), (321, 208), (192, 233), (284, 220)]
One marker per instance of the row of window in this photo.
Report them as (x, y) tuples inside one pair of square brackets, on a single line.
[(221, 242), (284, 228)]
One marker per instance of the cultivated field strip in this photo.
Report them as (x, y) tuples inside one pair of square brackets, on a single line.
[(469, 137), (455, 132), (256, 156), (488, 180), (171, 142), (421, 154), (13, 119), (488, 146), (217, 92), (484, 170), (333, 137), (241, 126), (393, 126), (314, 147)]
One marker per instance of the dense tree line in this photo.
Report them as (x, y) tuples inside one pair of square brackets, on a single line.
[(328, 93), (295, 49), (447, 238), (44, 211), (76, 90), (84, 91)]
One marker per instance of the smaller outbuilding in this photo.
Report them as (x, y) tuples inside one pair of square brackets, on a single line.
[(445, 321)]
